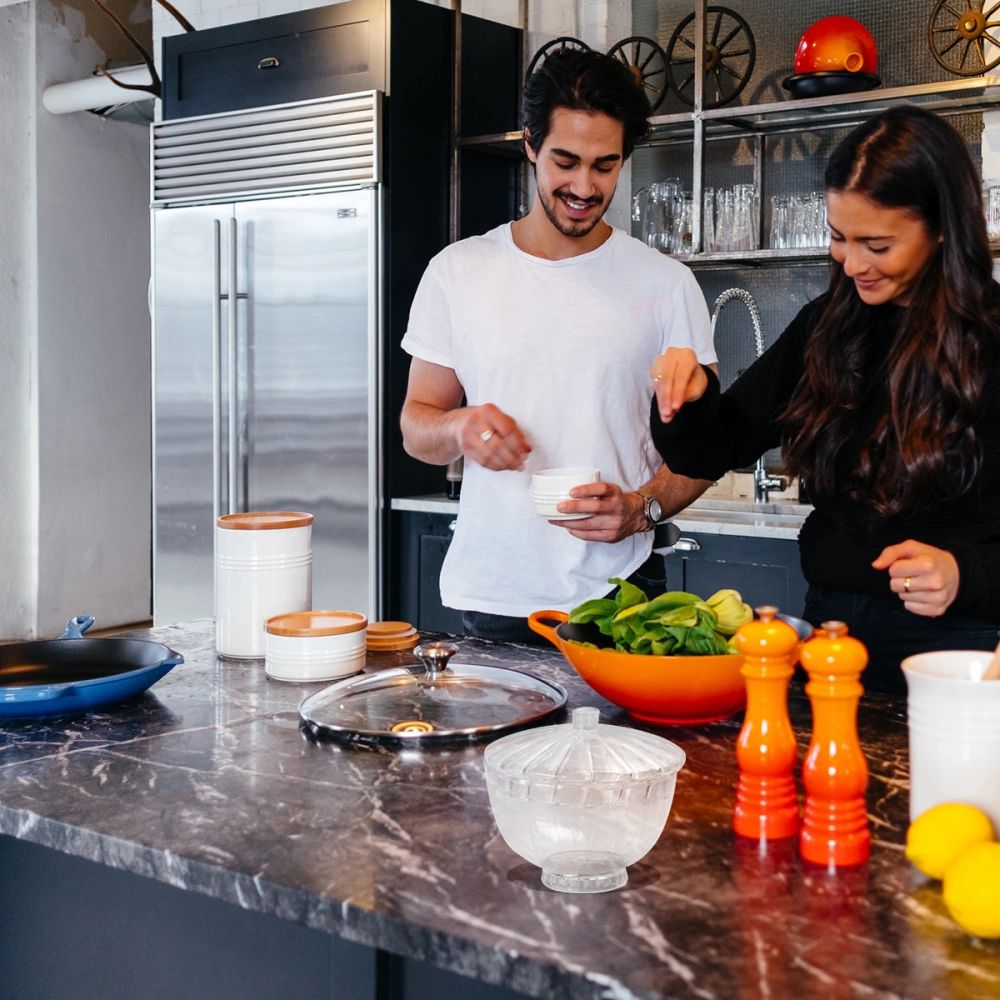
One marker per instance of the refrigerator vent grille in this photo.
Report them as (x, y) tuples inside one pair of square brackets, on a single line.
[(326, 144)]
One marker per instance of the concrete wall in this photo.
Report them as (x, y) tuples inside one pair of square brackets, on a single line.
[(74, 386), (18, 475)]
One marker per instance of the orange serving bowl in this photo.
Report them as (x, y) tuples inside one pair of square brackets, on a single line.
[(678, 690)]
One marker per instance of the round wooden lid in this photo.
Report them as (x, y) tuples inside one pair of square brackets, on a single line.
[(305, 623), (388, 630), (262, 520)]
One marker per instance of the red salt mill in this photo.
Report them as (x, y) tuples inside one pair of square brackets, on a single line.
[(766, 807), (835, 774)]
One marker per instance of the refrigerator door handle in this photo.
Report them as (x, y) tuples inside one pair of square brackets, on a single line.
[(233, 428), (217, 375)]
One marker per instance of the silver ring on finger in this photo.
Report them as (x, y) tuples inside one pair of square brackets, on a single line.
[(486, 435), (906, 585)]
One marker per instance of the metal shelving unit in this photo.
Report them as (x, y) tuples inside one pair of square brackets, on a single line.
[(701, 126)]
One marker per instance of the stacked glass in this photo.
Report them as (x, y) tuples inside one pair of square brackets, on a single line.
[(799, 220), (731, 218)]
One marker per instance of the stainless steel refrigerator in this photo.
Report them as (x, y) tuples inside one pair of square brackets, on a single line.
[(266, 340)]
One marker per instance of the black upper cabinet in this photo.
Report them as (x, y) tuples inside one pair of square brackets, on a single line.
[(322, 52)]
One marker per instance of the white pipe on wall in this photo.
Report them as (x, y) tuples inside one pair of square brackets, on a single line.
[(96, 92)]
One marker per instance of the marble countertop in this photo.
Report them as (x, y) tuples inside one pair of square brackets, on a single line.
[(708, 516), (207, 783)]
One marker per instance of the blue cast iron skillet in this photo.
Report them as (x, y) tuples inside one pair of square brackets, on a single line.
[(72, 674)]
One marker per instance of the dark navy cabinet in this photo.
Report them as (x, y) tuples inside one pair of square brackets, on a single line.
[(415, 591), (763, 570)]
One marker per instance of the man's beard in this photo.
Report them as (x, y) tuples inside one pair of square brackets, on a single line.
[(576, 229)]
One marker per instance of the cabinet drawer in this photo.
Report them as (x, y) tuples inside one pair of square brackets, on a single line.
[(293, 57)]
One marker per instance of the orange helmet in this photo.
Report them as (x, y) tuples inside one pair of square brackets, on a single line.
[(836, 44)]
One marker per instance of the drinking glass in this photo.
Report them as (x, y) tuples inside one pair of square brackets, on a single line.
[(780, 215), (993, 212)]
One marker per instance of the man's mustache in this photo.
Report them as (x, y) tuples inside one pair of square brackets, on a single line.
[(592, 200)]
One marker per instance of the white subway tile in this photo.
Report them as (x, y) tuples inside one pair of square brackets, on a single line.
[(245, 12), (208, 5), (269, 8)]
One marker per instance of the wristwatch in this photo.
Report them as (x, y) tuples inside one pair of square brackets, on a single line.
[(651, 509)]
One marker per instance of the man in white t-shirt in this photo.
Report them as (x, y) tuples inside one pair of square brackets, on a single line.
[(548, 327)]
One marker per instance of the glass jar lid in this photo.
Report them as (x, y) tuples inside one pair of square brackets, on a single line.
[(584, 752), (444, 701)]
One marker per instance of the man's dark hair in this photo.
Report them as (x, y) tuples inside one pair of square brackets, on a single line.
[(583, 80)]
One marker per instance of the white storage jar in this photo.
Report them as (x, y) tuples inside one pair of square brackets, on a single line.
[(315, 645), (263, 568)]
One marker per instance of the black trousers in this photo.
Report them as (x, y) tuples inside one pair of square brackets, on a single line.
[(651, 577), (891, 633)]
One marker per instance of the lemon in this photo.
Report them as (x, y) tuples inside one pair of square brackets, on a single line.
[(939, 835), (972, 890)]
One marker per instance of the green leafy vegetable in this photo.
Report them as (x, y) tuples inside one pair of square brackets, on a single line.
[(674, 623)]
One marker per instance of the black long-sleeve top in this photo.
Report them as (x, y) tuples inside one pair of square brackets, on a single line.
[(841, 537)]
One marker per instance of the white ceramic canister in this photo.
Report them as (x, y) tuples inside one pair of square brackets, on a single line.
[(954, 721), (263, 568), (315, 645)]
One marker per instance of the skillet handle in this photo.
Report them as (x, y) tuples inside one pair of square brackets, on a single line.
[(536, 619), (75, 627)]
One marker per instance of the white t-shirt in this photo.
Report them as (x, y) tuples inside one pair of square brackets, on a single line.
[(564, 347)]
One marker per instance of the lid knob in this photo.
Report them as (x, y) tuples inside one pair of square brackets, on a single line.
[(435, 656), (585, 718)]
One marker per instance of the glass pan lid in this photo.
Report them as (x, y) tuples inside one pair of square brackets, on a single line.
[(445, 702)]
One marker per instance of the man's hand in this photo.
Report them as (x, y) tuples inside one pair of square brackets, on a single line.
[(616, 514), (488, 436), (925, 578), (678, 379)]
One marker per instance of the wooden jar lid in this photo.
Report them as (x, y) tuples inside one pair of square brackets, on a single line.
[(263, 520), (309, 623), (391, 636)]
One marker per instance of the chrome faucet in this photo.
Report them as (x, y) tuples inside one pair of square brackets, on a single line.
[(762, 482)]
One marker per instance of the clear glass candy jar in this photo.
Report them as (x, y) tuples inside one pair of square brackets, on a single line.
[(582, 801)]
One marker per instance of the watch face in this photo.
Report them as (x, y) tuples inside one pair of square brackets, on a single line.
[(655, 510)]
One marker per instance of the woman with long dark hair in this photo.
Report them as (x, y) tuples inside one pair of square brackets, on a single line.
[(884, 396)]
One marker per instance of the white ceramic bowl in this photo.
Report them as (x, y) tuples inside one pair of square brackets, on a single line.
[(954, 722), (315, 645), (551, 487)]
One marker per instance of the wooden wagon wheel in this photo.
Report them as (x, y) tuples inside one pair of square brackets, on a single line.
[(648, 65), (730, 54), (556, 45), (958, 32)]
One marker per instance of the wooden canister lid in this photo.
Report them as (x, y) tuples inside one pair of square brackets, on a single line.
[(390, 636), (308, 623), (263, 520)]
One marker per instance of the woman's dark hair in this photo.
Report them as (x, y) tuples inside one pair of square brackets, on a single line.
[(923, 447), (583, 80)]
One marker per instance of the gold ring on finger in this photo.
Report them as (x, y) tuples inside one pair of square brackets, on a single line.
[(906, 585)]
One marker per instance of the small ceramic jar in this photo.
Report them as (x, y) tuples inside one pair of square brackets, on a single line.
[(551, 487), (315, 645), (263, 567)]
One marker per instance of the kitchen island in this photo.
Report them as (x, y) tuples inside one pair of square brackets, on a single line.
[(198, 826)]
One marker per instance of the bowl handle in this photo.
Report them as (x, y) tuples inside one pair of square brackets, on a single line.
[(536, 618)]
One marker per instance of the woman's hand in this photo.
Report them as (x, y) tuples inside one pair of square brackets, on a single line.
[(679, 379), (925, 578)]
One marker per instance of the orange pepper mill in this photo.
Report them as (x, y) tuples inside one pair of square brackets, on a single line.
[(766, 807), (835, 774)]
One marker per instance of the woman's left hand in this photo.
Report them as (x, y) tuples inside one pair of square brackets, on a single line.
[(925, 578)]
